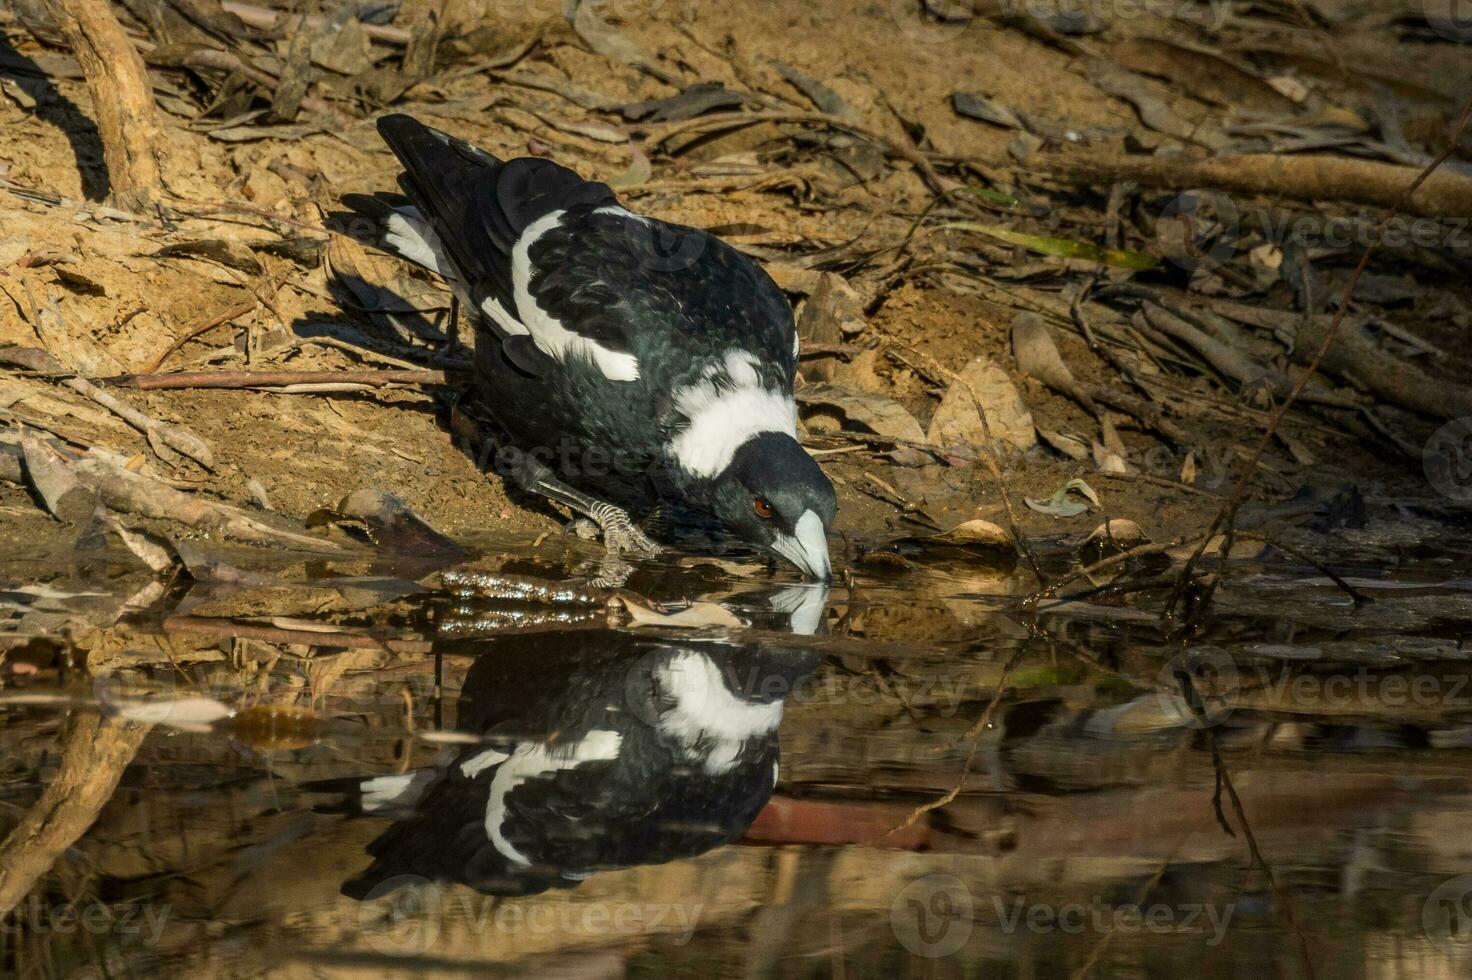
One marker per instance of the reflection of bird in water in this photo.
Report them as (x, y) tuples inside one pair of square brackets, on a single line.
[(603, 749)]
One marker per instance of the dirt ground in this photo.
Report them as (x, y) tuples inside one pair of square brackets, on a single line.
[(243, 231)]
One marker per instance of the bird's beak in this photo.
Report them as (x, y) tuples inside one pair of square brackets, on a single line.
[(807, 547)]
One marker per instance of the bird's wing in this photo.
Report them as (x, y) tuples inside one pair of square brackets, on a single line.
[(537, 252)]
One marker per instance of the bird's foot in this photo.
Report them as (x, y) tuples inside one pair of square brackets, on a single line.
[(609, 572), (620, 534), (582, 528)]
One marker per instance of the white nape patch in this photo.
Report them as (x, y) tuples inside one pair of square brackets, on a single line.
[(383, 792), (725, 416), (531, 760), (707, 715), (408, 234), (796, 345), (549, 334)]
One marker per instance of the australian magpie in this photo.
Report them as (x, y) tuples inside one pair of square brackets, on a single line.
[(635, 365), (598, 749)]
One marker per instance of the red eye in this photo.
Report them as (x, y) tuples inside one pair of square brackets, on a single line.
[(763, 509)]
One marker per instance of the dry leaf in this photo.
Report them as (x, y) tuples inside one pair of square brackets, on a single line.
[(697, 615), (957, 423)]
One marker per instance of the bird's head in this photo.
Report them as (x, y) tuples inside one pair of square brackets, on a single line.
[(774, 496)]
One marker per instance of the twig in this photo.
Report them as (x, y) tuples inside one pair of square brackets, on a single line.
[(259, 379), (1139, 551), (974, 735), (238, 310), (734, 120)]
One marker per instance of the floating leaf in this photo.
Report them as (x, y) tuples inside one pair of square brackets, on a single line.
[(697, 615)]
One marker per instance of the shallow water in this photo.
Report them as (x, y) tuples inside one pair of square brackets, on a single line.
[(598, 799)]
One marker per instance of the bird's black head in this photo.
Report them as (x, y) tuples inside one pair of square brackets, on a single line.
[(774, 496)]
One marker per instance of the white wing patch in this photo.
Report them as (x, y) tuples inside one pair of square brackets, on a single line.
[(550, 335), (728, 407), (529, 761), (502, 317), (384, 792), (408, 234), (707, 714)]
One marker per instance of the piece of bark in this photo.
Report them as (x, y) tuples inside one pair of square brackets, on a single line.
[(68, 500), (11, 470), (122, 99)]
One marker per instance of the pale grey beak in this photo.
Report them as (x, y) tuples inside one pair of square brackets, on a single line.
[(804, 605), (807, 547)]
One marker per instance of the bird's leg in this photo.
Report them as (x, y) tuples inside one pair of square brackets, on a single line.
[(452, 331), (620, 533)]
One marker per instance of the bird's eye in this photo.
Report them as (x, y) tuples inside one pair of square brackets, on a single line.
[(763, 508)]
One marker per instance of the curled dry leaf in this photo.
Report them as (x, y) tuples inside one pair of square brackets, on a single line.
[(697, 615), (1112, 537), (880, 415), (1061, 505), (1071, 446), (1242, 549), (970, 539), (152, 551)]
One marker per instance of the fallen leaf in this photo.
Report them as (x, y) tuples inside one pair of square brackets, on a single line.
[(197, 714), (1059, 504), (877, 413), (697, 615), (956, 421)]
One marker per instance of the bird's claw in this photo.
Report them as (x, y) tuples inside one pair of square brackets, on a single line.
[(621, 535)]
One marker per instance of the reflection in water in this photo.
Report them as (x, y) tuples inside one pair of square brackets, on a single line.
[(963, 792), (613, 751)]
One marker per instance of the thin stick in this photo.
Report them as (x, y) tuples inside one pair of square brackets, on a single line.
[(258, 379), (238, 310), (973, 734)]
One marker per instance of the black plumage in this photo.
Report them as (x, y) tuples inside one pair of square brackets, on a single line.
[(629, 362), (654, 787)]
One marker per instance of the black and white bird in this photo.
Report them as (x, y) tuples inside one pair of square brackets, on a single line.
[(606, 752), (635, 364)]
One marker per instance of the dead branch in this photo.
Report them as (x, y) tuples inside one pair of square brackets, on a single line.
[(1307, 178), (122, 99), (94, 754)]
